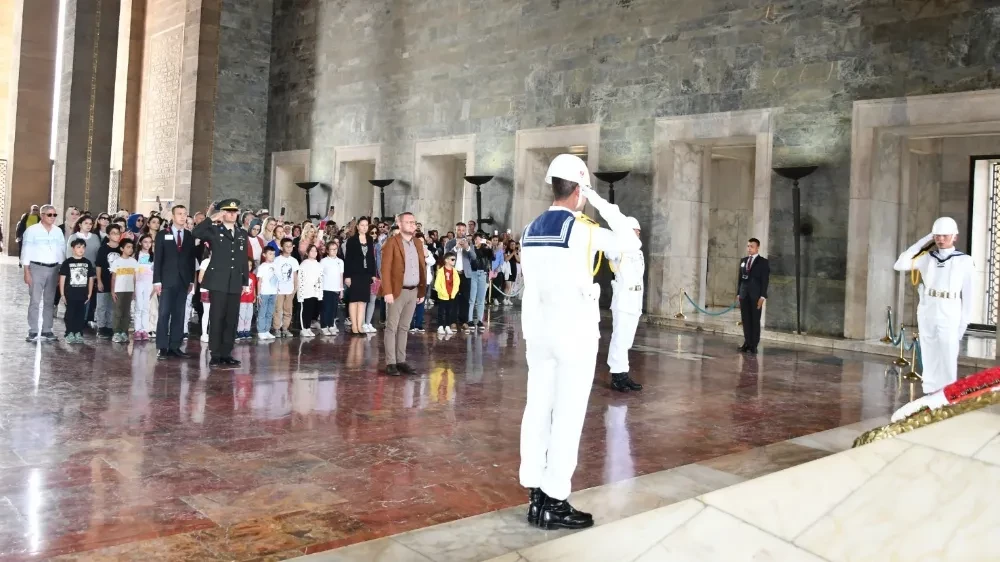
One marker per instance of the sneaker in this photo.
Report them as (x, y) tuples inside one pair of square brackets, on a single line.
[(448, 330), (93, 325), (105, 333), (470, 327), (204, 338), (441, 330), (333, 330), (31, 337), (371, 329), (49, 336), (306, 333), (480, 326), (151, 335)]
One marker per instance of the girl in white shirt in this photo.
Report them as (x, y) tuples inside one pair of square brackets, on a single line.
[(333, 286), (310, 290), (205, 304)]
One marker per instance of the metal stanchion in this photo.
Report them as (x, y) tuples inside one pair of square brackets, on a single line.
[(887, 338), (680, 306), (912, 374), (901, 361)]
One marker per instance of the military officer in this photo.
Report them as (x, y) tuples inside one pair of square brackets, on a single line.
[(559, 319), (626, 308), (945, 300), (227, 275)]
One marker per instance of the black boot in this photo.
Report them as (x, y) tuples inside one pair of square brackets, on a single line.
[(631, 384), (536, 499), (557, 514), (619, 382)]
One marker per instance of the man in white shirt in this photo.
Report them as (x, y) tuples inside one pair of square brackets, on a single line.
[(43, 249), (460, 244)]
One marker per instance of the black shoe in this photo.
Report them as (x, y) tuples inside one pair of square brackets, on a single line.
[(632, 384), (743, 348), (752, 351), (481, 326), (619, 382), (230, 360), (558, 514), (536, 499), (49, 336), (215, 361), (105, 333), (392, 370), (164, 354), (406, 369), (32, 337), (179, 354)]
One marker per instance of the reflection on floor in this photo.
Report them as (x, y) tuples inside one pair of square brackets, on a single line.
[(106, 454)]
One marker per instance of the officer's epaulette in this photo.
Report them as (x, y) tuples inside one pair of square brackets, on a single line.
[(586, 220)]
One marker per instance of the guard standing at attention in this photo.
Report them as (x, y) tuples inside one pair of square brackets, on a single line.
[(227, 275), (751, 292), (945, 300), (559, 319), (626, 308)]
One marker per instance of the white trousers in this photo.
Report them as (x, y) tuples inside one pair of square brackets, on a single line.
[(622, 335), (559, 380), (188, 311), (141, 319), (939, 342)]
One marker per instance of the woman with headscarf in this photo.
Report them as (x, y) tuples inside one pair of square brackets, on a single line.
[(255, 242), (134, 225)]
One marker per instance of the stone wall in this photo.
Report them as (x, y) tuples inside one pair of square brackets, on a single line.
[(347, 72), (239, 158)]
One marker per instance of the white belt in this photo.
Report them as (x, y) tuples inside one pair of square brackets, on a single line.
[(943, 294)]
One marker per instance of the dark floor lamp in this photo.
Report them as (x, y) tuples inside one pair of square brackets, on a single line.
[(796, 173), (611, 178), (381, 185), (478, 181), (308, 186)]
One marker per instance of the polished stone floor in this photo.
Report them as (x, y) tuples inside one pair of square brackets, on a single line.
[(307, 447)]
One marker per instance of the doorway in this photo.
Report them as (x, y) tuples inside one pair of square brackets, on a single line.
[(352, 196), (287, 169), (442, 197)]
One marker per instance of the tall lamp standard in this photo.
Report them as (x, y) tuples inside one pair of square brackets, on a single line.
[(611, 178), (381, 185), (795, 173), (478, 181), (308, 186)]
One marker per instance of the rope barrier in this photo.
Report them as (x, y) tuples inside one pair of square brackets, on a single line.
[(703, 311), (896, 339)]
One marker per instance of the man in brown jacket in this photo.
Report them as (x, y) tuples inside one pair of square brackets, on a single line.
[(404, 284)]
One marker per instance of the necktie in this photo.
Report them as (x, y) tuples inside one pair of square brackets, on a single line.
[(180, 241), (749, 261)]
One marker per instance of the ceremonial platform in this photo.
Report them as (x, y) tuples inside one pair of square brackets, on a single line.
[(107, 454)]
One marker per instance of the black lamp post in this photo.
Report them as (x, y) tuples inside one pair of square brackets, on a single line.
[(478, 181), (611, 178), (796, 173), (308, 186), (381, 184)]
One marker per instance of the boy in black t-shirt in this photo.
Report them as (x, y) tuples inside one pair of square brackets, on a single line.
[(76, 285), (106, 257)]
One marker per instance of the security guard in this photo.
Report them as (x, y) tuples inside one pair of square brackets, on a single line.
[(945, 300), (227, 275), (559, 319), (626, 308)]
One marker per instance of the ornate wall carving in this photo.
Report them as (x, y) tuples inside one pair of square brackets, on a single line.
[(161, 94)]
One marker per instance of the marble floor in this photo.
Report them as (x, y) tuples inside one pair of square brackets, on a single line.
[(107, 454)]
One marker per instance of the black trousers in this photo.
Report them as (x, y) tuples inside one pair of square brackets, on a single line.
[(308, 311), (446, 312), (76, 316), (170, 324), (223, 316), (462, 298), (751, 321)]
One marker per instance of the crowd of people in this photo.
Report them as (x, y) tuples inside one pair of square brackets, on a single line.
[(306, 279)]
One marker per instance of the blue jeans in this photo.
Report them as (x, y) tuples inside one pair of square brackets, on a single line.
[(265, 313), (478, 281), (418, 316), (331, 309)]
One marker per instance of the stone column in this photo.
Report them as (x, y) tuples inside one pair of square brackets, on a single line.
[(128, 91), (29, 125), (86, 104)]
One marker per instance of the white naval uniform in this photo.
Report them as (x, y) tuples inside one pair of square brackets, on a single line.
[(559, 318), (626, 306), (944, 310)]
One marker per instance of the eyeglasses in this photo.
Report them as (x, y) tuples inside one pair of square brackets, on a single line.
[(52, 215)]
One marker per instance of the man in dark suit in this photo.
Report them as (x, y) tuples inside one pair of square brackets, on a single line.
[(751, 291), (173, 278), (227, 274)]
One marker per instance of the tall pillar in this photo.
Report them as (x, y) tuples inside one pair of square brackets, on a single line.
[(86, 104), (29, 125), (128, 92)]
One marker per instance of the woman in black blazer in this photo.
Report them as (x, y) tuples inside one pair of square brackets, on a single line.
[(359, 273)]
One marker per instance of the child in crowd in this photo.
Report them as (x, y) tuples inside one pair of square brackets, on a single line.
[(288, 277), (446, 285), (310, 290), (417, 322), (246, 303), (144, 289), (76, 285), (106, 257), (206, 259), (123, 289), (333, 286), (267, 292)]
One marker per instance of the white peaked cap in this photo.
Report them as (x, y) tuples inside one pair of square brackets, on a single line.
[(570, 168), (634, 223), (945, 225)]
